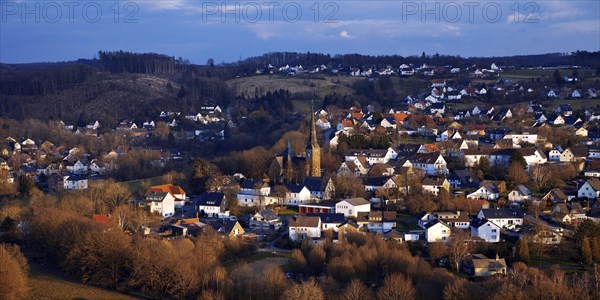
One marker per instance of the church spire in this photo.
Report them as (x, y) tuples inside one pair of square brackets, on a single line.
[(313, 151)]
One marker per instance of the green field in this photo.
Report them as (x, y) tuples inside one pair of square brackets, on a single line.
[(134, 185)]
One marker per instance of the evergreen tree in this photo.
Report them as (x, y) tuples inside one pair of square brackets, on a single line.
[(557, 77), (586, 251)]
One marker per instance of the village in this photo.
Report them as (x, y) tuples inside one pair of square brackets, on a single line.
[(499, 172)]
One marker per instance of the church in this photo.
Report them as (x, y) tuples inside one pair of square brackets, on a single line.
[(287, 167)]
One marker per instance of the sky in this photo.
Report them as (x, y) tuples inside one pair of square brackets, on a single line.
[(226, 31)]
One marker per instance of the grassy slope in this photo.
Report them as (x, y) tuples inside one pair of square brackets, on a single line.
[(249, 85), (46, 284)]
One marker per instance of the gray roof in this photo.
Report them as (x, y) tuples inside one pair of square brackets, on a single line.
[(501, 213), (356, 201)]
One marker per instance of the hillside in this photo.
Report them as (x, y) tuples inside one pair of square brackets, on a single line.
[(108, 95), (319, 86)]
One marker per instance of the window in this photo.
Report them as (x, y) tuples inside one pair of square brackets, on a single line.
[(494, 230)]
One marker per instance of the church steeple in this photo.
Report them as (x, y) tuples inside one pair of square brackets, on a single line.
[(313, 151)]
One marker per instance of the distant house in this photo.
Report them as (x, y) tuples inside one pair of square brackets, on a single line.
[(329, 221), (351, 207), (296, 194), (176, 191), (519, 193), (479, 265), (437, 231), (435, 185), (556, 195), (461, 179), (75, 182), (568, 213), (319, 188), (377, 221), (304, 227), (485, 192), (504, 218), (590, 189), (212, 204), (231, 229), (486, 230), (265, 219), (432, 163), (162, 203)]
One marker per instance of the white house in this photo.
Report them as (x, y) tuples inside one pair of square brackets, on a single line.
[(485, 192), (590, 189), (254, 192), (75, 182), (377, 221), (351, 207), (212, 204), (161, 203), (519, 193), (486, 230), (504, 218), (297, 194), (554, 154), (437, 231), (432, 163), (304, 227)]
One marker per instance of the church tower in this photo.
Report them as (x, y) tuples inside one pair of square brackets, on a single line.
[(313, 151)]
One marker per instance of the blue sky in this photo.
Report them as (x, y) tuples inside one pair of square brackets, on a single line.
[(38, 31)]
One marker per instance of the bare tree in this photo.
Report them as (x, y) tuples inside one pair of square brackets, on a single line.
[(459, 247), (540, 175), (396, 287), (356, 290), (307, 290), (13, 276)]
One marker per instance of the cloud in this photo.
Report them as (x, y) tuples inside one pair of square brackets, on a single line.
[(345, 35)]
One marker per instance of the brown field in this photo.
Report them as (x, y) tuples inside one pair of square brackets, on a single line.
[(46, 284), (250, 86)]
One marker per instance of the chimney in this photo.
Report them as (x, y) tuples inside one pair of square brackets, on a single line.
[(497, 257)]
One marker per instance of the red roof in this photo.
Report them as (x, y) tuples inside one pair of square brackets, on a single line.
[(167, 188), (102, 219)]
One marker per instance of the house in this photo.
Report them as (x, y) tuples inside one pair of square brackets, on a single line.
[(304, 227), (432, 163), (546, 236), (330, 221), (296, 194), (590, 189), (75, 182), (435, 185), (437, 231), (213, 205), (478, 265), (162, 203), (564, 109), (568, 213), (254, 192), (265, 219), (176, 191), (574, 154), (351, 207), (555, 154), (377, 221), (505, 218), (78, 167), (319, 188), (487, 191), (437, 108), (519, 193), (556, 195), (486, 230), (454, 219), (229, 228), (556, 119), (462, 179)]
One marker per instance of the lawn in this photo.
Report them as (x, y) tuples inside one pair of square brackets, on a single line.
[(258, 260), (134, 185), (45, 284)]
